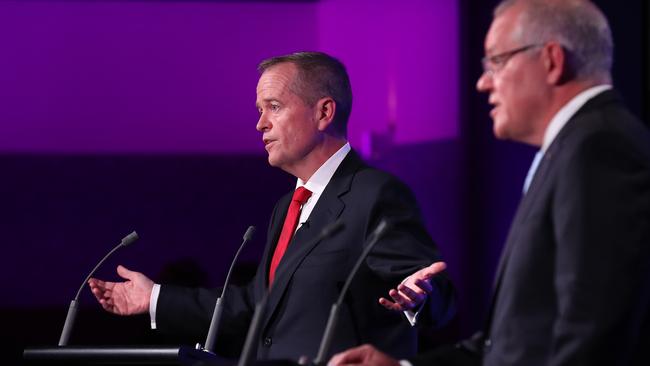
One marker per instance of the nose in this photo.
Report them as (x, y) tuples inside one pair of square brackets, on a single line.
[(484, 82), (263, 123)]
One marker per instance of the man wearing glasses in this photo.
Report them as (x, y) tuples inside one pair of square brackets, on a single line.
[(573, 283)]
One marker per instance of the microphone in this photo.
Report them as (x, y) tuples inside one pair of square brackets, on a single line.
[(72, 310), (260, 308), (326, 341), (218, 308)]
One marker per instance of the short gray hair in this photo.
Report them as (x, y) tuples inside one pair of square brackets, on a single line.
[(578, 25), (319, 75)]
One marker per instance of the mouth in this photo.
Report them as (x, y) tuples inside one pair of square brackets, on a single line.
[(268, 143), (493, 111), (495, 107)]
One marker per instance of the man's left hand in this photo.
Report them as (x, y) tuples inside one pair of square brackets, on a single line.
[(413, 292)]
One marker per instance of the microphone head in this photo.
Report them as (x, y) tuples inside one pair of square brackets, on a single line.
[(129, 239), (248, 235), (382, 227)]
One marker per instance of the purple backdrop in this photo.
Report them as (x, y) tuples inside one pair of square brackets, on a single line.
[(139, 76), (179, 77)]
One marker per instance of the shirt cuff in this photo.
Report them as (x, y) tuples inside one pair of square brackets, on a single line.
[(411, 316), (153, 303), (405, 363)]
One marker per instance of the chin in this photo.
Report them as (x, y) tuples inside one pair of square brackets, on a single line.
[(272, 160), (501, 130), (277, 161)]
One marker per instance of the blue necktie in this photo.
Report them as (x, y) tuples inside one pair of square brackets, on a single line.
[(532, 170)]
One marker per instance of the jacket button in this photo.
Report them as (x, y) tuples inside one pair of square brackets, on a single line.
[(268, 341)]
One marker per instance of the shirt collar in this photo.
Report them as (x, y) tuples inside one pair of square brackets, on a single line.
[(319, 180), (567, 111)]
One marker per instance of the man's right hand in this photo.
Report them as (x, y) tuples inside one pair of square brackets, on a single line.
[(123, 298)]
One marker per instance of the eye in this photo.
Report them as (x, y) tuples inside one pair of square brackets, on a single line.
[(498, 59), (275, 107)]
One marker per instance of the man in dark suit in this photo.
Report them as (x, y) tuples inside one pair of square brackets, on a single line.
[(573, 283), (304, 101)]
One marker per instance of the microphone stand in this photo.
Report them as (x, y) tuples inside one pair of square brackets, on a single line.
[(72, 309)]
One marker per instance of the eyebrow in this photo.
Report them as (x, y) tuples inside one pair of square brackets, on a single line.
[(489, 50), (266, 100)]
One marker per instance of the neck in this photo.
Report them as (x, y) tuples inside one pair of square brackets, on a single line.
[(317, 157), (560, 96)]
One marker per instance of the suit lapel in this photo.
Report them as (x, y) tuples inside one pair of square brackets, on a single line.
[(526, 204), (328, 208), (528, 201), (274, 234)]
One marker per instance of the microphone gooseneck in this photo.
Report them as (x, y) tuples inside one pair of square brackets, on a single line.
[(218, 308), (72, 309), (323, 350)]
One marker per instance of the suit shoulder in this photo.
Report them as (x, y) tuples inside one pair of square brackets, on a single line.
[(378, 177), (609, 129)]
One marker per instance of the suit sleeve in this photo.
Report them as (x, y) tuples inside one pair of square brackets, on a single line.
[(601, 221), (186, 313), (407, 248)]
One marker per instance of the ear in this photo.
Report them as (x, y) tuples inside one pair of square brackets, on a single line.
[(555, 62), (325, 110)]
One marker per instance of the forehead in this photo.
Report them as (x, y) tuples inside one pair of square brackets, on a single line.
[(504, 31), (275, 81)]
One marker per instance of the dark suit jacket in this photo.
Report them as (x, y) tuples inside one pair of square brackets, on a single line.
[(573, 282), (309, 278)]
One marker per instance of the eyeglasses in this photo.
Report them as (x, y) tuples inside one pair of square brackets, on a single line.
[(493, 64)]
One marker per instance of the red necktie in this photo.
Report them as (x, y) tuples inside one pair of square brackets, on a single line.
[(300, 196)]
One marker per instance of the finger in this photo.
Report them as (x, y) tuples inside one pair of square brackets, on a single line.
[(404, 302), (92, 286), (105, 305), (125, 272), (424, 285), (94, 282), (411, 295), (432, 270), (389, 304), (98, 294), (102, 285)]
